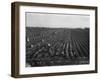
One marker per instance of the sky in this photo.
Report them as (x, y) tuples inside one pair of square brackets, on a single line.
[(57, 20)]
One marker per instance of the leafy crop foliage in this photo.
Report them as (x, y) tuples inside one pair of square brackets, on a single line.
[(56, 46)]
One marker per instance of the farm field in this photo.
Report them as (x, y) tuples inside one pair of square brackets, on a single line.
[(56, 46)]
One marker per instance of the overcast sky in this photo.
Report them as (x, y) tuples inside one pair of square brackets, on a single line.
[(57, 20)]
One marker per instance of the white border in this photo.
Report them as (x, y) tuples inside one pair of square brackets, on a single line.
[(51, 69)]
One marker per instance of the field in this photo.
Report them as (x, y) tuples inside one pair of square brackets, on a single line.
[(56, 46)]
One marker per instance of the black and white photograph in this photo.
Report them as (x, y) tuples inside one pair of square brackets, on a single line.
[(54, 39)]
